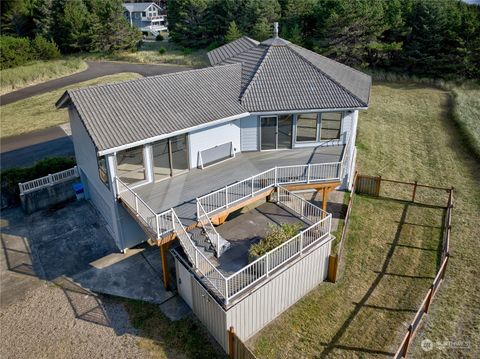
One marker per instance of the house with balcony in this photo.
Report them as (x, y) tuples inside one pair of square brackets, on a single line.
[(267, 119), (148, 17)]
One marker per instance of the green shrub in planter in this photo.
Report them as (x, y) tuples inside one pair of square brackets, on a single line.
[(276, 235), (161, 50)]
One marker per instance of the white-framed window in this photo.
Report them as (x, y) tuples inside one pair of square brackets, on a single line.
[(307, 127), (330, 125), (103, 171)]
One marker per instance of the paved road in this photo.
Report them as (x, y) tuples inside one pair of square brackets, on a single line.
[(25, 150), (95, 69)]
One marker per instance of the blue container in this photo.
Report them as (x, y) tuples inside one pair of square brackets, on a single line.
[(79, 191)]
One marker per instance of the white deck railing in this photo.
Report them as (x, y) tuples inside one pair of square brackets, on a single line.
[(262, 267), (209, 229), (159, 223), (297, 174), (47, 181), (215, 279)]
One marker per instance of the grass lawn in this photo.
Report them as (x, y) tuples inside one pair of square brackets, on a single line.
[(40, 71), (162, 338), (38, 112), (392, 247), (149, 53)]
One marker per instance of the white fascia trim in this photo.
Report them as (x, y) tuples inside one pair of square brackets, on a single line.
[(171, 134), (307, 111)]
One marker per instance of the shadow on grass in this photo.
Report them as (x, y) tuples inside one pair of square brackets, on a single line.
[(334, 343)]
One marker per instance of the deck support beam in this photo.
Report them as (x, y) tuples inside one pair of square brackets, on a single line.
[(163, 254)]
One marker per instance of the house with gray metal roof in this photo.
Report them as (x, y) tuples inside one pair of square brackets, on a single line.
[(148, 17), (266, 119)]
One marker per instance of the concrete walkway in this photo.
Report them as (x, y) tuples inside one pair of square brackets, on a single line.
[(95, 69)]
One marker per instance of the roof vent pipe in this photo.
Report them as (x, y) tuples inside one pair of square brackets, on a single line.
[(275, 29)]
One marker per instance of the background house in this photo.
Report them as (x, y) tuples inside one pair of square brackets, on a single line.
[(148, 17)]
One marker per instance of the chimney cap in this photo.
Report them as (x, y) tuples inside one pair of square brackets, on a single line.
[(275, 29)]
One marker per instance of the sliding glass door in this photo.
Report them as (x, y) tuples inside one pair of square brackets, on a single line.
[(276, 132), (170, 157)]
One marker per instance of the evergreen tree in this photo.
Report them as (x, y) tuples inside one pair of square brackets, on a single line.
[(295, 35), (187, 22), (110, 31), (43, 18), (262, 30), (73, 27), (232, 33)]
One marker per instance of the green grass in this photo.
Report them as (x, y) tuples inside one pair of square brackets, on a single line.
[(392, 250), (149, 54), (467, 114), (39, 112), (162, 338), (40, 71)]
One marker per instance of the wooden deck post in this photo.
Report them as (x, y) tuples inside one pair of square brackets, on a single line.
[(163, 254), (231, 347), (326, 192)]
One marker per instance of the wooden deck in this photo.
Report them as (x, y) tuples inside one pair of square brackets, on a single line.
[(180, 192)]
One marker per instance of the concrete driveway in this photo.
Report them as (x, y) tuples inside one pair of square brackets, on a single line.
[(73, 243)]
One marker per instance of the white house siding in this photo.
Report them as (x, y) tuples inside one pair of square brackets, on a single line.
[(264, 304), (123, 228), (95, 190), (212, 136), (249, 133)]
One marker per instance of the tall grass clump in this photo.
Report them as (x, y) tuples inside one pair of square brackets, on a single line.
[(466, 113), (21, 76)]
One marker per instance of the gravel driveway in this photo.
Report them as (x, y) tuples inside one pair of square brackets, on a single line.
[(52, 322)]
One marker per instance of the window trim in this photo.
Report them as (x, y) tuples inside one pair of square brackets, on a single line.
[(317, 128), (100, 170), (342, 116)]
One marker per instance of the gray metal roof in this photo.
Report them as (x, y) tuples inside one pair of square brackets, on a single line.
[(248, 76), (130, 111), (139, 6), (231, 49), (278, 75)]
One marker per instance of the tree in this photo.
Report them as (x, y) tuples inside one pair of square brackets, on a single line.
[(353, 29), (72, 28), (262, 30), (16, 17), (188, 22), (295, 35), (232, 33), (43, 18), (109, 28)]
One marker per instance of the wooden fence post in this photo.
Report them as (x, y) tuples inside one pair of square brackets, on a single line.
[(407, 342), (231, 342), (377, 189), (446, 264), (429, 300), (414, 191), (332, 267)]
